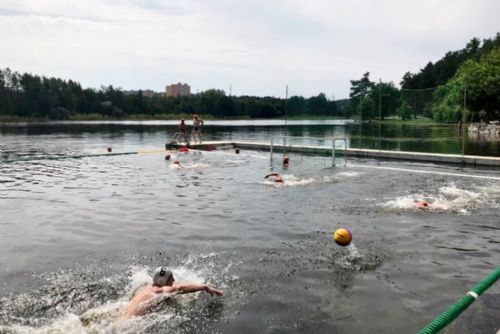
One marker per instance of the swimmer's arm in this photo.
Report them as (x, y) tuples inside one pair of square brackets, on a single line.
[(191, 287)]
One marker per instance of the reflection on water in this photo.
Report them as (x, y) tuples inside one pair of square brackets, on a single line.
[(78, 236), (402, 137)]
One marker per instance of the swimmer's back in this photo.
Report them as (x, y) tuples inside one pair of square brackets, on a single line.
[(143, 300)]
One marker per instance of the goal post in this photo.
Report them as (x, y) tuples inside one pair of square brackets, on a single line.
[(308, 150)]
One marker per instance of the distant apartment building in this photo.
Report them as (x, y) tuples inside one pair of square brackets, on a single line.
[(178, 89)]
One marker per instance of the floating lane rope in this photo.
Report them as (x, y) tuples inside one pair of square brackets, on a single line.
[(454, 311), (79, 156), (428, 172)]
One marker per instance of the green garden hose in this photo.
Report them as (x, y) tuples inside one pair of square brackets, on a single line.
[(454, 311)]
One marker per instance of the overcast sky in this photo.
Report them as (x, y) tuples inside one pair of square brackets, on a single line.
[(255, 46)]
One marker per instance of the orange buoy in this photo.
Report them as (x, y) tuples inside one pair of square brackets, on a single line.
[(342, 236)]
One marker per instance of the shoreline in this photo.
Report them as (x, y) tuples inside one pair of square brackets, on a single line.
[(173, 117)]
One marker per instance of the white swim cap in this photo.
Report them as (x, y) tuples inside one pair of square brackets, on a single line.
[(161, 276)]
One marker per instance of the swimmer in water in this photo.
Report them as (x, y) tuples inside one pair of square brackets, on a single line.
[(422, 205), (148, 296), (286, 161), (277, 177)]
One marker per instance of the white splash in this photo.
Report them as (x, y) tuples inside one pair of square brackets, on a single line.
[(352, 259), (349, 174), (107, 318), (450, 198), (288, 181), (187, 165)]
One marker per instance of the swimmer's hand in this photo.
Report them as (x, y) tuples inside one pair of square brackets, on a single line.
[(214, 292)]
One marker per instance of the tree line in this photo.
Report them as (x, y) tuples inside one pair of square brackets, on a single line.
[(462, 86), (32, 96)]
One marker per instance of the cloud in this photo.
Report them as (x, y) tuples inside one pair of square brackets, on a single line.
[(257, 46)]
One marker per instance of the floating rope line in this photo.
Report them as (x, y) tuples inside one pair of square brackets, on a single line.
[(79, 156), (454, 311), (487, 177)]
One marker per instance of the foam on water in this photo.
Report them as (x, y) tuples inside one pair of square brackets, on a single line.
[(183, 165), (350, 259), (450, 198), (349, 174), (291, 180), (106, 317)]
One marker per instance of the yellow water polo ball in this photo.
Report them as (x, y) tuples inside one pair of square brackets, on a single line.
[(342, 236)]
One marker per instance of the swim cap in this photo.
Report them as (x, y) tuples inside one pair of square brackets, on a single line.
[(161, 276)]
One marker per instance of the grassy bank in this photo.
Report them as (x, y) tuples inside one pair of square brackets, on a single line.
[(100, 117), (310, 117), (176, 117), (418, 121)]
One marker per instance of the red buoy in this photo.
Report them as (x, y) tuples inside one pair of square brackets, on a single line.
[(109, 149), (167, 157)]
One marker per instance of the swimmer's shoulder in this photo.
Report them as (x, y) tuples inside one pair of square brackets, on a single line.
[(141, 289)]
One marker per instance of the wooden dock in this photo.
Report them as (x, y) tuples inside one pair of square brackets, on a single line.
[(464, 160)]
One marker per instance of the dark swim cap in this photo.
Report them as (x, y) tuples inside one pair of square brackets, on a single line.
[(161, 276)]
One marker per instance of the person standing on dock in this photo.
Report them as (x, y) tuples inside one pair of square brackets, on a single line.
[(197, 123), (183, 131)]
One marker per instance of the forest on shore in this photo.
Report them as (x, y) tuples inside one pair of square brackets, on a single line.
[(463, 85)]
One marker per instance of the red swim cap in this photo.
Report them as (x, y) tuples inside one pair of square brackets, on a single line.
[(422, 205)]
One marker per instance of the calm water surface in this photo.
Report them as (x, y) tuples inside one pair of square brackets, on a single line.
[(402, 137), (78, 236)]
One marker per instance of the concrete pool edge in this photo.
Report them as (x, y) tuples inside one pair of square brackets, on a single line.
[(464, 160)]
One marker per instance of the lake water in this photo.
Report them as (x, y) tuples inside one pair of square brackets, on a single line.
[(401, 137), (78, 236)]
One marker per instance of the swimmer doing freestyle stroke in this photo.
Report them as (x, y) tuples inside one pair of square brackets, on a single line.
[(277, 177), (150, 295), (424, 205)]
